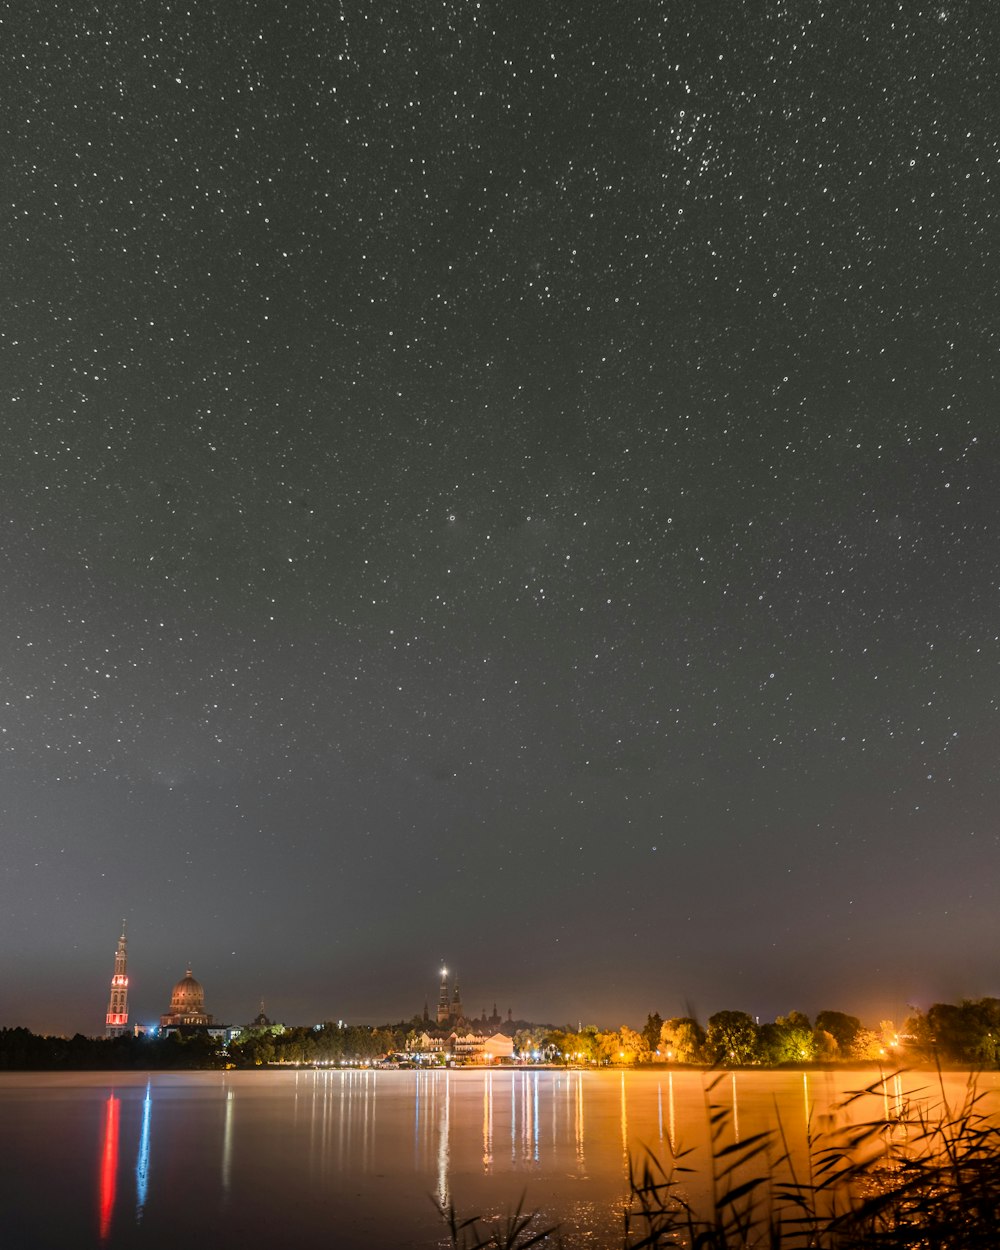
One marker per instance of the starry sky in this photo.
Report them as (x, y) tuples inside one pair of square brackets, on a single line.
[(499, 482)]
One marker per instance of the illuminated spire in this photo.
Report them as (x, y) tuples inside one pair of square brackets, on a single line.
[(444, 1004), (116, 1021)]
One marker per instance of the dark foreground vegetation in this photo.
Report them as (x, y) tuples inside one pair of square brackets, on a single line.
[(927, 1180)]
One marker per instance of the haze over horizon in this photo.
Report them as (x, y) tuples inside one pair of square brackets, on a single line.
[(508, 484)]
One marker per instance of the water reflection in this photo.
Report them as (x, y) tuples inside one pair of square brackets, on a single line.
[(736, 1111), (227, 1143), (624, 1120), (109, 1166), (534, 1116), (529, 1118), (578, 1120), (659, 1111), (337, 1138), (444, 1145), (894, 1104), (488, 1123), (142, 1158)]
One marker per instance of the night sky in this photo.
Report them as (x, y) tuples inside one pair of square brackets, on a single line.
[(509, 483)]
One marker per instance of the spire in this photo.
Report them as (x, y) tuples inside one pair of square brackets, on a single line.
[(116, 1020), (444, 1005)]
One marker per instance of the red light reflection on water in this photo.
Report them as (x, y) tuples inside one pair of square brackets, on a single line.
[(109, 1166)]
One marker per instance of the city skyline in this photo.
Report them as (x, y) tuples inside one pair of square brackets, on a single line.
[(520, 484), (442, 1013)]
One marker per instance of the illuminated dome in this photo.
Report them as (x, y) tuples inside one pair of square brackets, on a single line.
[(187, 1003)]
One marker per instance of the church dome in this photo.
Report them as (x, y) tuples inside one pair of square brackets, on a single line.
[(187, 1004), (188, 995)]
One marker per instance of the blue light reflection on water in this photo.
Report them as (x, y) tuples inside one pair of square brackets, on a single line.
[(142, 1158)]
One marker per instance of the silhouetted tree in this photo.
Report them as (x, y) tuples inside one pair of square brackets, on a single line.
[(651, 1030), (842, 1028), (732, 1037)]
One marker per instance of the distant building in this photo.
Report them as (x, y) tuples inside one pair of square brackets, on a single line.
[(444, 999), (262, 1021), (451, 1019), (187, 1013), (476, 1048), (450, 1009), (187, 1005), (116, 1020), (468, 1046)]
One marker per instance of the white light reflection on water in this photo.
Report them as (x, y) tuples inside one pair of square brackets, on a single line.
[(513, 1122), (578, 1121), (659, 1112), (227, 1143), (534, 1117), (488, 1123), (894, 1109), (444, 1146)]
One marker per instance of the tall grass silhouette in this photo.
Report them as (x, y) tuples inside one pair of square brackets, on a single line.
[(927, 1175), (921, 1175)]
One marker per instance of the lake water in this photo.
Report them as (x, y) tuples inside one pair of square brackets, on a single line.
[(350, 1158)]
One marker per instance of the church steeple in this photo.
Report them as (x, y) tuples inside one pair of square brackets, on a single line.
[(116, 1021), (444, 1005), (457, 1011)]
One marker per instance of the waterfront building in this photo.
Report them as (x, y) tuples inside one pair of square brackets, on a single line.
[(476, 1048), (468, 1046), (116, 1020)]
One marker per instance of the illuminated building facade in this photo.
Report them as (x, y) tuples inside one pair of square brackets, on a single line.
[(187, 1004), (116, 1021)]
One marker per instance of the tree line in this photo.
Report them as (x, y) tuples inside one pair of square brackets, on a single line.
[(22, 1050), (966, 1034), (729, 1038)]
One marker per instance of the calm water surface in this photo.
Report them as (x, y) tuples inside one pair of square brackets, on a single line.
[(354, 1158)]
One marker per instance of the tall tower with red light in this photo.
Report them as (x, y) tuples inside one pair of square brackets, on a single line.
[(116, 1022)]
